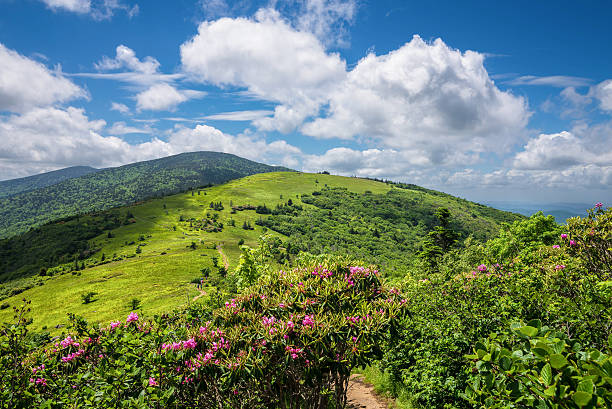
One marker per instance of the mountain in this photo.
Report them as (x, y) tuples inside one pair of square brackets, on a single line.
[(122, 185), (153, 250), (16, 186), (560, 211)]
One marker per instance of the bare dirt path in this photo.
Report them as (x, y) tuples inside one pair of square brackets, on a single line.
[(202, 293), (360, 395), (225, 261)]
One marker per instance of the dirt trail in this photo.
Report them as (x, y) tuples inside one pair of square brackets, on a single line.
[(225, 261), (362, 396), (202, 293)]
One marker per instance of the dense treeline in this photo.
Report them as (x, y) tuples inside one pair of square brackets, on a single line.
[(122, 185), (53, 244), (386, 229), (16, 186)]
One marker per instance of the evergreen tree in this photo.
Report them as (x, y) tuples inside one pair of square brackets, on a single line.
[(440, 240)]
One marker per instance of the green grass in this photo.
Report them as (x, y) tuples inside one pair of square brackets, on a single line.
[(162, 281)]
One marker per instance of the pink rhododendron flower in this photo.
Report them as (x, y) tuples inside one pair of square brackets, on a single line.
[(132, 317), (564, 236), (559, 267), (153, 382), (308, 321), (598, 205), (189, 344), (482, 268), (115, 324), (572, 243), (556, 246)]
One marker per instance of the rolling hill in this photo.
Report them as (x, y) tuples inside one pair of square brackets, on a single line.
[(16, 186), (119, 186), (152, 251)]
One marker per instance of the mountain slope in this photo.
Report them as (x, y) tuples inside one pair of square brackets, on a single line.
[(119, 186), (16, 186), (153, 250)]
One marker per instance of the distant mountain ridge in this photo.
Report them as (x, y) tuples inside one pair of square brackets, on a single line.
[(122, 185), (28, 183), (560, 211)]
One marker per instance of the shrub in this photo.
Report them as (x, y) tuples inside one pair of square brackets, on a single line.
[(290, 341), (88, 297), (532, 366)]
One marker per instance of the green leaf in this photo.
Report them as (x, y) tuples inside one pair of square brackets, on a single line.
[(529, 331), (558, 361), (546, 374), (581, 398), (550, 391), (585, 386)]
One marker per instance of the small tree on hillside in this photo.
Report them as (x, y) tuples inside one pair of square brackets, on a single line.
[(440, 240)]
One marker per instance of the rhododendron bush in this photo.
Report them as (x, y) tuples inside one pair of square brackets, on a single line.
[(290, 341), (535, 270)]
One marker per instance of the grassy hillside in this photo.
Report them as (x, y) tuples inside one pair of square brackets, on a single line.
[(120, 186), (16, 186), (153, 250)]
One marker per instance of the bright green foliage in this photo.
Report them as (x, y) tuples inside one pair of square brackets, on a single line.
[(254, 262), (592, 241), (119, 186), (387, 229), (534, 367), (523, 237), (448, 313), (289, 342)]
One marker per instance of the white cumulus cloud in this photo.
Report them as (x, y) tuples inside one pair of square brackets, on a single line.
[(268, 57), (426, 98), (164, 97), (25, 83)]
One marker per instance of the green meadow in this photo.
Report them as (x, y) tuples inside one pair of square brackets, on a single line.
[(160, 274)]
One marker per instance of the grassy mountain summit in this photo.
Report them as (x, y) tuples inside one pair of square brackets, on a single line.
[(122, 185), (153, 250), (26, 184)]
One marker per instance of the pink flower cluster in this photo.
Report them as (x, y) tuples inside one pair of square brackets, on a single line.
[(68, 341), (356, 319), (599, 205), (72, 356), (308, 321), (294, 352), (175, 346), (231, 304), (324, 273), (153, 382), (39, 381), (115, 324), (38, 368), (559, 267), (132, 317), (482, 268), (268, 321)]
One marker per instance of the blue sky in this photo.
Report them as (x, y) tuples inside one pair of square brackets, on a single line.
[(486, 100)]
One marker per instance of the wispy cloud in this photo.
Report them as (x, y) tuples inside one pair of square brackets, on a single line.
[(561, 81), (239, 115)]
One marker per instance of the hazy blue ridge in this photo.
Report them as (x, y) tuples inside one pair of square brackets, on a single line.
[(15, 186), (561, 211)]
